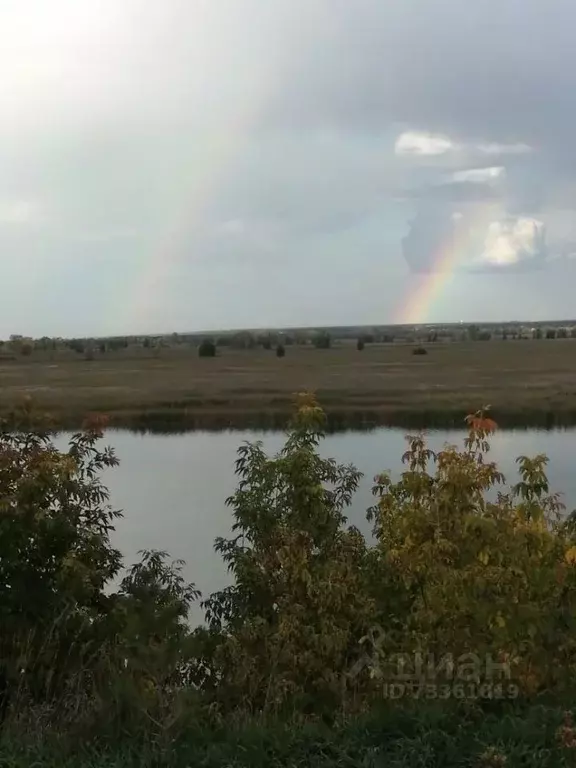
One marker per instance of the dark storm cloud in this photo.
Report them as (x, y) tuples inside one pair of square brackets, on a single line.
[(501, 70)]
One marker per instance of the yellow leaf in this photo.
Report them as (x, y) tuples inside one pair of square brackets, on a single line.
[(570, 556), (483, 557)]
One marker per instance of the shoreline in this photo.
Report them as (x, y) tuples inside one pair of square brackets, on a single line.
[(340, 420)]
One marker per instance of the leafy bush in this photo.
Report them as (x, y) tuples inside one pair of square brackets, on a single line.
[(489, 577), (55, 558), (282, 634), (419, 351), (360, 345), (280, 351), (77, 345), (207, 348), (69, 645)]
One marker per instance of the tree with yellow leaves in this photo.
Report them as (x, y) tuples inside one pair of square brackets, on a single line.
[(488, 569)]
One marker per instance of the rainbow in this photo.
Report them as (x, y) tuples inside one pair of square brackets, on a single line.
[(204, 175), (426, 289), (161, 260)]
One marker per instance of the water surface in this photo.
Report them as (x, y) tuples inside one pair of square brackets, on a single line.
[(172, 488)]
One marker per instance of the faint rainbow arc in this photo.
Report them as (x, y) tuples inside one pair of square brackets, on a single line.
[(163, 256), (426, 289)]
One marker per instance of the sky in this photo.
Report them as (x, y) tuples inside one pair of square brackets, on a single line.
[(207, 164)]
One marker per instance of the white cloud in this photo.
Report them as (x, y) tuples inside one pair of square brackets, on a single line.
[(416, 143), (18, 212), (479, 175), (424, 143), (509, 242)]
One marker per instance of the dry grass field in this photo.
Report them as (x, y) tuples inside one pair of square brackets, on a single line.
[(525, 382)]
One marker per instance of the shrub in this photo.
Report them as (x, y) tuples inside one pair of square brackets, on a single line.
[(299, 606), (207, 348), (419, 351), (495, 578), (71, 648), (360, 345), (55, 556), (280, 351)]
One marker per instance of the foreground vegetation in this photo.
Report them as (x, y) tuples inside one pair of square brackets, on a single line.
[(540, 736), (528, 383), (449, 641)]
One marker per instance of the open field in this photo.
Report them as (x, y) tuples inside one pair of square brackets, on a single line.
[(525, 382)]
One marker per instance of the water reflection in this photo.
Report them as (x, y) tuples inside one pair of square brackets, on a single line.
[(177, 422)]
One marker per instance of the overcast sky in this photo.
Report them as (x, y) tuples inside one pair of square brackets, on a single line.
[(198, 164)]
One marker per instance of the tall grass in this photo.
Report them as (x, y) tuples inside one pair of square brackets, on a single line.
[(422, 736)]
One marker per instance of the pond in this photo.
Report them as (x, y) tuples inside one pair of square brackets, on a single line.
[(172, 488)]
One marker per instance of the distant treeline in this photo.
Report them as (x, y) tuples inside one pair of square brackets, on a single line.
[(322, 338)]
